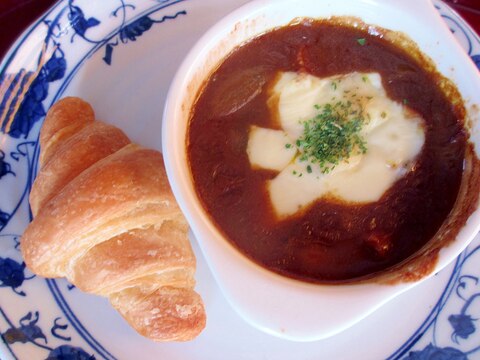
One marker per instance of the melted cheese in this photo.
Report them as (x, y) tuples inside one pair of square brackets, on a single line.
[(393, 133), (270, 149)]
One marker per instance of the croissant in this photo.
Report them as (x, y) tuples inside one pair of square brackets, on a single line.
[(106, 219)]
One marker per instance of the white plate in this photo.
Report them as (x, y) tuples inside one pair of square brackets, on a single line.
[(121, 57)]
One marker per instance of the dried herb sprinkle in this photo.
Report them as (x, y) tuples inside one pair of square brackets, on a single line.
[(333, 135), (362, 41)]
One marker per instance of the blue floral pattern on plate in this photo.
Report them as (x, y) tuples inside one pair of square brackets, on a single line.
[(450, 331)]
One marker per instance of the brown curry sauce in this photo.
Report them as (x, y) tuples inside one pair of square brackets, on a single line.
[(329, 241)]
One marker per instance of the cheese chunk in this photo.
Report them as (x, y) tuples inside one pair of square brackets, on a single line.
[(270, 149), (394, 136)]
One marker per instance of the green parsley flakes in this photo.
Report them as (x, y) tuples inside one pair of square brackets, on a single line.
[(362, 41), (332, 136)]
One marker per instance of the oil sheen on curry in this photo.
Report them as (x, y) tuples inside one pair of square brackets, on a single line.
[(324, 153)]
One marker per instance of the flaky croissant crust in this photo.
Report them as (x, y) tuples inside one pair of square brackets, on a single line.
[(106, 219)]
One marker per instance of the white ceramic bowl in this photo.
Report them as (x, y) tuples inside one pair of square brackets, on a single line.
[(278, 305)]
